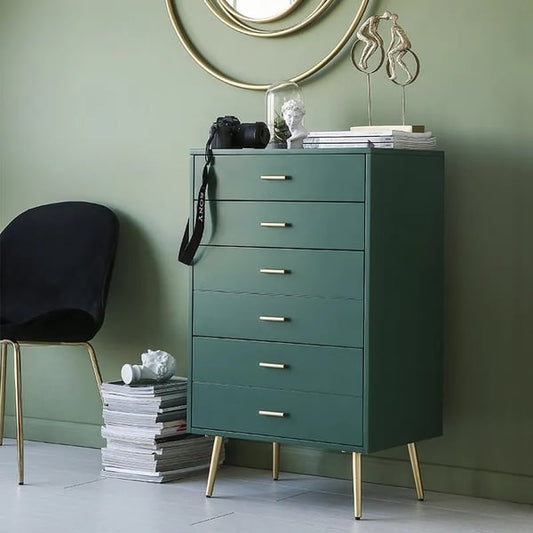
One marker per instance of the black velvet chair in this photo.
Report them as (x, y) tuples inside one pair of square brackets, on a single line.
[(55, 266)]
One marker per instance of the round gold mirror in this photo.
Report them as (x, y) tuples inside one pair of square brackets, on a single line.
[(256, 11)]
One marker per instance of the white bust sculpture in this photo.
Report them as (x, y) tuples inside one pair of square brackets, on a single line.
[(293, 112), (157, 365)]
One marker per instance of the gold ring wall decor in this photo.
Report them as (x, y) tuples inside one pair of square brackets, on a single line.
[(245, 24)]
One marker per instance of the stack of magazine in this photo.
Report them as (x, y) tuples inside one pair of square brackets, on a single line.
[(145, 430), (406, 137)]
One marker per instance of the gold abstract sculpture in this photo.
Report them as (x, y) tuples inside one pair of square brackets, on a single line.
[(400, 45), (368, 33)]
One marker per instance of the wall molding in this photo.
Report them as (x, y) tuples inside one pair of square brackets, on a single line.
[(57, 432)]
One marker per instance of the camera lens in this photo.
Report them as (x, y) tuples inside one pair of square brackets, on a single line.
[(255, 135)]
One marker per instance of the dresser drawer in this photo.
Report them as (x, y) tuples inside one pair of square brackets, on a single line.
[(285, 177), (278, 365), (333, 226), (280, 271), (308, 416), (327, 321)]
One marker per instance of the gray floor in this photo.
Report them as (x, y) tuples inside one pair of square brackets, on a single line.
[(64, 492)]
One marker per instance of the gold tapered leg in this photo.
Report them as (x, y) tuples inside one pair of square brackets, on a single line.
[(96, 368), (416, 470), (215, 455), (18, 390), (3, 370), (275, 461), (357, 485), (18, 412)]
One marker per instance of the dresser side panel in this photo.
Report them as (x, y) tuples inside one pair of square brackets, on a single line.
[(403, 298)]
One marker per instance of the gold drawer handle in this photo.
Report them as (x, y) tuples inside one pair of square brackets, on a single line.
[(273, 271), (275, 224), (273, 178), (278, 414), (267, 177), (273, 365), (273, 318)]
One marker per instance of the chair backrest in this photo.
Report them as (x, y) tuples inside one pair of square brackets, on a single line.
[(55, 257)]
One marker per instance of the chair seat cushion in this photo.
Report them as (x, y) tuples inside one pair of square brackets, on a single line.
[(64, 325)]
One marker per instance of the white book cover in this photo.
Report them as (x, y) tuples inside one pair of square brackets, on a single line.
[(136, 433), (152, 477), (326, 146), (355, 134), (392, 127), (173, 385)]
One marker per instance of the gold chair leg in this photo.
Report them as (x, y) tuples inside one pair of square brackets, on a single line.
[(18, 391), (357, 485), (275, 461), (416, 470), (87, 346), (215, 455), (3, 370), (96, 368), (18, 411)]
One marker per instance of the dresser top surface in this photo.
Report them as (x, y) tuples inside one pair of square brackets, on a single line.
[(320, 151)]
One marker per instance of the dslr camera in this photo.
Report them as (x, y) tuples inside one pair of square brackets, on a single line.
[(228, 132)]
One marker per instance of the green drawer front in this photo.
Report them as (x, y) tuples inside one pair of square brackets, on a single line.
[(308, 416), (323, 321), (278, 365), (334, 226), (318, 177), (330, 274)]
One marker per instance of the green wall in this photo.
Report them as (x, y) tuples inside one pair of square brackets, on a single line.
[(100, 102)]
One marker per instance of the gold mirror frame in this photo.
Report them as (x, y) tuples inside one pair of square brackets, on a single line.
[(226, 6), (237, 22), (244, 28)]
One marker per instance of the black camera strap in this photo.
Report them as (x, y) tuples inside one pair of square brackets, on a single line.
[(188, 246)]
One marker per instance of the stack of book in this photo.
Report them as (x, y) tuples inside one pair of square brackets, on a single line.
[(407, 137), (145, 430)]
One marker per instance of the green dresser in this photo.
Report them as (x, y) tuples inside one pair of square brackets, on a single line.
[(316, 304)]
